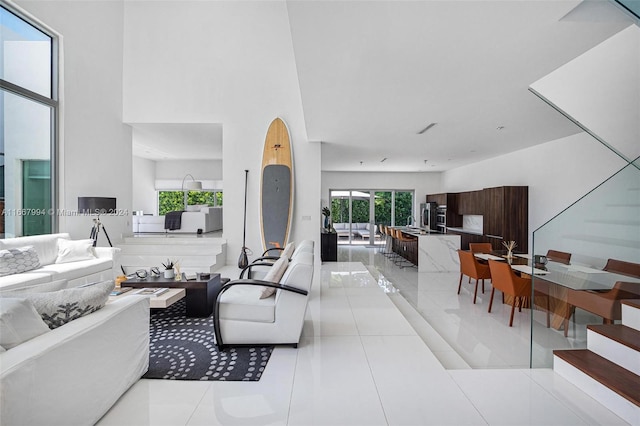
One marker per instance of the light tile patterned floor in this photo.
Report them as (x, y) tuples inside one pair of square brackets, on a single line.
[(360, 362)]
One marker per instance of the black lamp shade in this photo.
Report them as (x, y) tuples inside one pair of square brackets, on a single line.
[(96, 205)]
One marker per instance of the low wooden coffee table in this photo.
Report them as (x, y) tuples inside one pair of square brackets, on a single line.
[(201, 294), (161, 301)]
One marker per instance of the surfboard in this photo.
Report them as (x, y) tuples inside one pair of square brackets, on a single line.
[(276, 186)]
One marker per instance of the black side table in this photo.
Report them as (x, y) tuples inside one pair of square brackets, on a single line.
[(329, 246)]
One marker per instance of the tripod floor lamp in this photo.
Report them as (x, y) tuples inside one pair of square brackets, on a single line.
[(97, 206), (190, 185)]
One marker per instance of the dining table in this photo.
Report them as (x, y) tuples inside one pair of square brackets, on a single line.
[(557, 279)]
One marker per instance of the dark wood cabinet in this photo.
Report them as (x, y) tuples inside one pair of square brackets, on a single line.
[(493, 211), (506, 214), (439, 199), (450, 200), (471, 202), (329, 247)]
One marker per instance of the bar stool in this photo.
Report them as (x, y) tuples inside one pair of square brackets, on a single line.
[(388, 243), (403, 262)]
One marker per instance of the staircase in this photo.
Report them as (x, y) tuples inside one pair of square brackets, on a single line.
[(609, 369), (194, 254)]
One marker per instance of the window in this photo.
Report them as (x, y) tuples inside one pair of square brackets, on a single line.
[(169, 201), (28, 102)]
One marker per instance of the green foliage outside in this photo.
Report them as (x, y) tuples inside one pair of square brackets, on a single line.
[(169, 201), (404, 204), (382, 208)]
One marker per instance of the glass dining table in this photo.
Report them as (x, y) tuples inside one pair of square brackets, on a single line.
[(557, 279)]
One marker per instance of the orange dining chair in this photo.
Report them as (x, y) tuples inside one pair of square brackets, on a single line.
[(623, 268), (558, 256), (470, 267), (504, 279), (480, 247), (605, 304)]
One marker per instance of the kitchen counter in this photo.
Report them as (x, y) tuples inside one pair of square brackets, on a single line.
[(465, 230), (437, 252)]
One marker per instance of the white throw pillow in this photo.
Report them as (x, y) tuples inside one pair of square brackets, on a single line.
[(75, 250), (19, 322), (274, 275), (288, 250), (2, 349), (17, 260), (60, 307)]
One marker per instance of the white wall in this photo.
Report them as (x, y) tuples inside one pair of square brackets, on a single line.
[(422, 183), (230, 63), (557, 173), (199, 169), (601, 90), (95, 148), (144, 191)]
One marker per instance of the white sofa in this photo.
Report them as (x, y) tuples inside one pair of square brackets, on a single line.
[(77, 273), (208, 219), (73, 374), (362, 230)]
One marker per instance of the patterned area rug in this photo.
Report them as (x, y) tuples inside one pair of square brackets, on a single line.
[(184, 348)]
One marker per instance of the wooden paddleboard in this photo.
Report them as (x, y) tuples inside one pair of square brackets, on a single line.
[(276, 194)]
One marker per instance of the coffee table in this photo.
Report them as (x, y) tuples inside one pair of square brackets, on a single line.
[(161, 301), (201, 294)]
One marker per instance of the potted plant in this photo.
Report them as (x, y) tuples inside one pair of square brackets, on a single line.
[(168, 269), (326, 213)]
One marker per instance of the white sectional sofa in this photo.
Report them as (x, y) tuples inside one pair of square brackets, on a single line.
[(73, 374), (362, 230), (96, 268), (208, 219)]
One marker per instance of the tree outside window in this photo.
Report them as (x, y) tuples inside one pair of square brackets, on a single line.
[(169, 201)]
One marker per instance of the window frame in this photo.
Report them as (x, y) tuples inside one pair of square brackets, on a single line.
[(51, 102)]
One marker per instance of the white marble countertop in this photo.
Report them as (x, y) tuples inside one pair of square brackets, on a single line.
[(465, 230)]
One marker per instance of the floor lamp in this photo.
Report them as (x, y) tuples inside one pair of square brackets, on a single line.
[(98, 206), (192, 185)]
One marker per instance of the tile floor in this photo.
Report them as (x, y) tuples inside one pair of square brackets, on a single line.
[(363, 361)]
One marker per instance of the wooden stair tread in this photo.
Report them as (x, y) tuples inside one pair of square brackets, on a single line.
[(620, 333), (618, 379), (631, 302)]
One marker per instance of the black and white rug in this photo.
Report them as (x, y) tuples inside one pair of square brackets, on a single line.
[(184, 348)]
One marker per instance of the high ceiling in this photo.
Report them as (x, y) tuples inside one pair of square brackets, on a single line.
[(373, 74)]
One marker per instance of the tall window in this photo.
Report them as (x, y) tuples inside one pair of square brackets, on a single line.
[(28, 102), (169, 201)]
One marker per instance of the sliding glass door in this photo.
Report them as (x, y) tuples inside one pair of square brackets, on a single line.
[(357, 214)]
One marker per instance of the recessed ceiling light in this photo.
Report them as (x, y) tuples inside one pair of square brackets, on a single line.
[(427, 128)]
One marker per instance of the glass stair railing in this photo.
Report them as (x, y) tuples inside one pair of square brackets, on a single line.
[(605, 223)]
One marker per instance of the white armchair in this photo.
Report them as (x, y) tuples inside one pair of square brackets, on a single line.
[(241, 317)]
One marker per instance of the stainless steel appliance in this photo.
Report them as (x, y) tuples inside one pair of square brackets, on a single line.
[(428, 216)]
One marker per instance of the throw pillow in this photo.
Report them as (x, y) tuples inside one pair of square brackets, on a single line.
[(19, 322), (75, 250), (2, 349), (60, 307), (288, 250), (274, 275), (15, 261)]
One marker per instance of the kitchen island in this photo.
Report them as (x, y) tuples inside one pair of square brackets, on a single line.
[(437, 252)]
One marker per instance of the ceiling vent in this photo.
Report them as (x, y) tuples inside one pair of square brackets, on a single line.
[(427, 128)]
